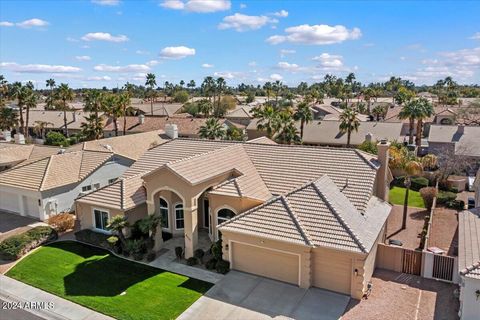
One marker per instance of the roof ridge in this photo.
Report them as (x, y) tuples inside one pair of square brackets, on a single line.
[(470, 268), (362, 156), (296, 220), (45, 172), (198, 155), (339, 217), (81, 165)]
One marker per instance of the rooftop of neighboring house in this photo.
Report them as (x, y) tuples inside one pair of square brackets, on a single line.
[(466, 138), (186, 126), (469, 243), (240, 112), (55, 170), (130, 146), (312, 195), (11, 153), (393, 112), (161, 109), (55, 118)]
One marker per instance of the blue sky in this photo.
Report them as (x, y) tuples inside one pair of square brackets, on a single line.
[(109, 42)]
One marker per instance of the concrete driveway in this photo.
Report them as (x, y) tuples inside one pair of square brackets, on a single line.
[(12, 224), (244, 296)]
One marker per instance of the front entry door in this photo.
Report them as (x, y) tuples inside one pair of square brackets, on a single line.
[(206, 209)]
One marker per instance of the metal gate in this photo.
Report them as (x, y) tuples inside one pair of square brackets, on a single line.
[(443, 267), (412, 262)]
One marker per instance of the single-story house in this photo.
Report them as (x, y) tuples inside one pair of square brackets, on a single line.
[(469, 263), (160, 109), (12, 154), (309, 216), (241, 115)]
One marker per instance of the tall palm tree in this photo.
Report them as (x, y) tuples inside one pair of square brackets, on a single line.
[(191, 85), (304, 114), (426, 111), (411, 111), (208, 87), (267, 87), (65, 94), (287, 132), (93, 101), (92, 129), (50, 83), (125, 108), (3, 90), (8, 118), (212, 129), (221, 85), (19, 92), (150, 82), (112, 108), (40, 127), (30, 102), (378, 111), (267, 119), (205, 107), (349, 122)]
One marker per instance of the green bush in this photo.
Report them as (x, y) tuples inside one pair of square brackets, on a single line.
[(94, 238), (216, 249), (369, 147), (444, 197), (54, 138), (222, 266), (199, 253), (210, 265), (192, 261), (419, 183), (456, 204), (181, 96), (179, 252), (16, 246), (112, 241), (399, 182)]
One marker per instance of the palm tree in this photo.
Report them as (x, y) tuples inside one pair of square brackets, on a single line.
[(30, 102), (65, 94), (117, 224), (111, 107), (205, 107), (3, 90), (19, 92), (349, 122), (411, 111), (8, 118), (378, 111), (40, 127), (50, 83), (267, 119), (125, 108), (149, 225), (267, 87), (208, 86), (191, 85), (304, 114), (288, 132), (151, 83), (426, 111), (220, 86), (92, 129), (212, 129)]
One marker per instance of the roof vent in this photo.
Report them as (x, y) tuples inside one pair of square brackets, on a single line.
[(383, 141), (61, 151), (108, 147)]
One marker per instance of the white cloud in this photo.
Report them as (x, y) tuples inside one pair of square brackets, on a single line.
[(281, 14), (142, 52), (242, 22), (285, 52), (243, 5), (176, 53), (6, 24), (98, 78), (292, 67), (465, 57), (124, 69), (316, 34), (83, 58), (38, 68), (252, 64), (152, 63), (476, 36), (104, 36), (199, 6), (224, 74), (329, 61), (106, 2), (275, 77), (70, 39), (207, 65), (35, 22)]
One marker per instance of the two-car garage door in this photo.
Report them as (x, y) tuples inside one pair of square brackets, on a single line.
[(265, 262), (12, 202)]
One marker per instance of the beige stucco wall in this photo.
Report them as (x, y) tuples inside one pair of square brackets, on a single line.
[(172, 199)]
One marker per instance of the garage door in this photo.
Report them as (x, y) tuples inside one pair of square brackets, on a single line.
[(9, 202), (31, 206), (265, 262), (332, 271)]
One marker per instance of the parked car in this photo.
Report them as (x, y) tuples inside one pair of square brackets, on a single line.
[(471, 203)]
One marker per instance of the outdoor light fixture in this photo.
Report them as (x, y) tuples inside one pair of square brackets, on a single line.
[(356, 272)]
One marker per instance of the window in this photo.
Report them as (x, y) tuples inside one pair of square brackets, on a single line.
[(164, 213), (86, 188), (224, 215), (179, 220), (96, 186), (110, 181), (101, 219)]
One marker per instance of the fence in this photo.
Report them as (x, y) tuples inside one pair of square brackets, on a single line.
[(440, 267), (399, 259)]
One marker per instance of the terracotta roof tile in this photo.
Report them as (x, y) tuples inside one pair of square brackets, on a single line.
[(469, 243)]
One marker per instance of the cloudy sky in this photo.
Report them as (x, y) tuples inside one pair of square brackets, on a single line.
[(109, 42)]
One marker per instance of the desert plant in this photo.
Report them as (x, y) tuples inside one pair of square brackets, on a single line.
[(428, 194), (192, 261), (444, 197), (62, 221), (179, 252), (222, 266), (199, 253)]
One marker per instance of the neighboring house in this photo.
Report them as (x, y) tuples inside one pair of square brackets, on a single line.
[(160, 109), (55, 120), (469, 263), (305, 215), (13, 154), (241, 115), (327, 132)]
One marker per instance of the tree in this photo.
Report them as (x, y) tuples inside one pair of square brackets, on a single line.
[(267, 119), (31, 100), (19, 92), (267, 87), (111, 107), (378, 111), (117, 224), (212, 129), (50, 83), (40, 127), (426, 111), (125, 109), (3, 90), (151, 83), (411, 111), (8, 118), (235, 134), (149, 225), (181, 96), (92, 129), (304, 114), (65, 94), (220, 87), (191, 85), (205, 107), (288, 132), (403, 96), (349, 122), (54, 138), (224, 104)]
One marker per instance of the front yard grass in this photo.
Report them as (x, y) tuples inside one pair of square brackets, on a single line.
[(397, 196), (100, 281)]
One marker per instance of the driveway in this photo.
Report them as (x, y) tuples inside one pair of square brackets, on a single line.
[(12, 224), (245, 296)]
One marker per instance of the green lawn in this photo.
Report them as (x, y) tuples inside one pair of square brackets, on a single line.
[(100, 281), (397, 196)]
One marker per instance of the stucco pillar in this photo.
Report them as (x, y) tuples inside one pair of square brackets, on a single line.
[(191, 231), (158, 239)]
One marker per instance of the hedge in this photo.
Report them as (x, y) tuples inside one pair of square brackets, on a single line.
[(16, 246), (444, 197), (95, 238), (417, 183)]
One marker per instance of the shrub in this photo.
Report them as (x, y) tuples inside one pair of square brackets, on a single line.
[(419, 183), (445, 196), (93, 237), (199, 253), (136, 246), (54, 138), (428, 194), (216, 250), (210, 265), (136, 232), (16, 246), (137, 256), (179, 252), (192, 261), (222, 266), (456, 204), (112, 241), (151, 255), (368, 146), (62, 221), (181, 96)]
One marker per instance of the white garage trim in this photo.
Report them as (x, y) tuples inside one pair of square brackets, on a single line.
[(230, 242)]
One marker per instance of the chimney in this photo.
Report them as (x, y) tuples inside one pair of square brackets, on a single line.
[(74, 116), (381, 180), (171, 130), (141, 119), (369, 137)]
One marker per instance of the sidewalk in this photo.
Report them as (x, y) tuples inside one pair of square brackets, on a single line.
[(15, 291)]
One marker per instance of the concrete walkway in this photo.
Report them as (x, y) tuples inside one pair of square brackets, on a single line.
[(15, 291)]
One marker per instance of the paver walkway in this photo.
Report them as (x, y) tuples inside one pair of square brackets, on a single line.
[(15, 291)]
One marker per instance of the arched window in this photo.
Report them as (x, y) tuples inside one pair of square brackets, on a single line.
[(179, 220), (164, 213), (446, 121), (224, 215)]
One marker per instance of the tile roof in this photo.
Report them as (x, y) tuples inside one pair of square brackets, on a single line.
[(469, 243), (56, 117), (243, 112), (54, 171), (159, 109), (15, 153), (466, 142), (315, 214)]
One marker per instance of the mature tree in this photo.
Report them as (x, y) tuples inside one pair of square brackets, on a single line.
[(403, 96), (233, 133), (50, 83), (125, 109), (191, 85), (92, 129), (349, 122), (267, 87), (304, 114), (277, 88), (8, 119), (212, 129), (208, 88), (302, 89), (19, 92), (40, 128), (93, 101), (112, 108), (411, 111), (65, 94), (205, 107), (378, 111), (3, 90), (426, 111), (150, 82), (31, 101), (267, 119), (469, 115), (288, 132), (220, 86)]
